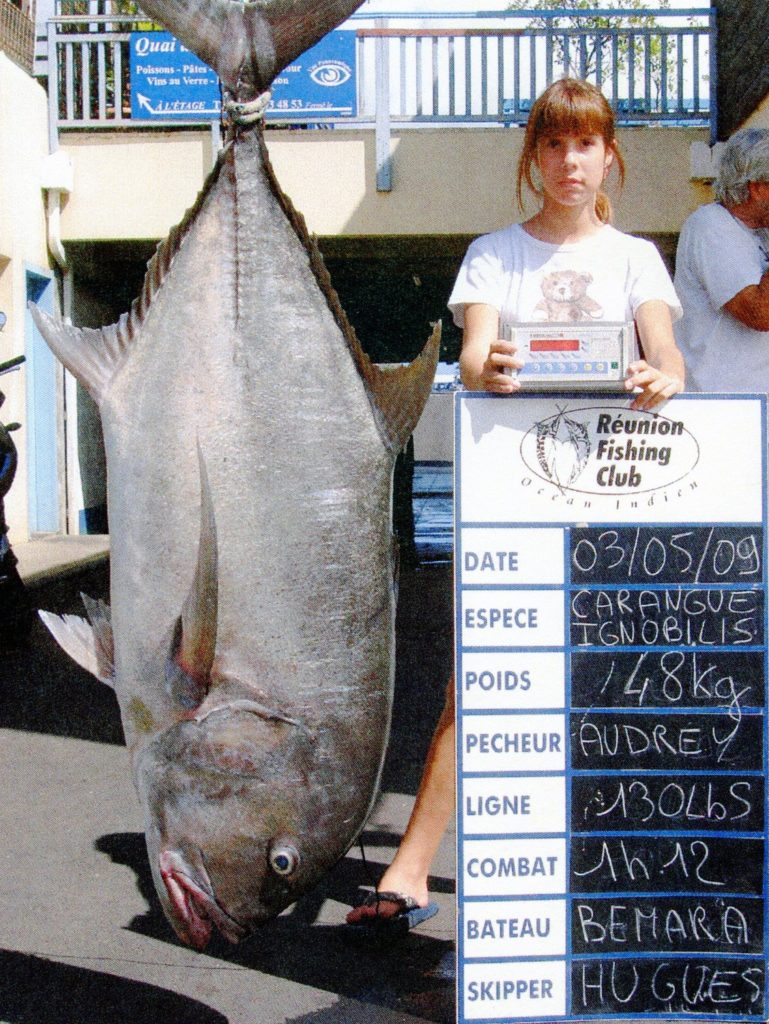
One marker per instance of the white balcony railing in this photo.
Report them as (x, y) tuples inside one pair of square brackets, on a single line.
[(480, 68)]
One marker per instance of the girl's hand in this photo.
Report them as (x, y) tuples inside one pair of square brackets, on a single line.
[(501, 358), (656, 387)]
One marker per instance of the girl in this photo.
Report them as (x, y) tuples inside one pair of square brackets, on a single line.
[(565, 263)]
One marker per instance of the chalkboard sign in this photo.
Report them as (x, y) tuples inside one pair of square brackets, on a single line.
[(611, 664)]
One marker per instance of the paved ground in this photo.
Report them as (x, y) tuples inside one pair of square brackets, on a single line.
[(82, 937), (51, 556)]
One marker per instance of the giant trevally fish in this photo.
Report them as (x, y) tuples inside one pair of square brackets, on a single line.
[(250, 446)]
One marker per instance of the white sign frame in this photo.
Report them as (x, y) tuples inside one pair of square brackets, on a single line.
[(538, 480)]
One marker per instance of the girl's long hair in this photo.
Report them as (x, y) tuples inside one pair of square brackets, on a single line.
[(569, 107)]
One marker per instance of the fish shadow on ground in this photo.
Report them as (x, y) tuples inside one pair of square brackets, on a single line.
[(130, 849), (410, 974), (435, 1005), (43, 690), (406, 974), (35, 990)]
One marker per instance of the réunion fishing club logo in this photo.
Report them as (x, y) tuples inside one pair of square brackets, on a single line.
[(607, 451)]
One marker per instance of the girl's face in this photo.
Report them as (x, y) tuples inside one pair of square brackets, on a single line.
[(573, 167)]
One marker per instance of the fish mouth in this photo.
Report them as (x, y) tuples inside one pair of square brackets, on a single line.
[(194, 909)]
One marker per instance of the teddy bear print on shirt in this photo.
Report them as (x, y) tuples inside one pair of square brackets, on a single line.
[(565, 297)]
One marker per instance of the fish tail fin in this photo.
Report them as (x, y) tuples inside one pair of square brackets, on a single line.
[(89, 643), (248, 44), (91, 354), (399, 393), (296, 25)]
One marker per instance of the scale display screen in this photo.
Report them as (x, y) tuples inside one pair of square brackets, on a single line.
[(573, 355)]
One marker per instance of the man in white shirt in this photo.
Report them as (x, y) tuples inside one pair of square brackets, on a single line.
[(722, 276)]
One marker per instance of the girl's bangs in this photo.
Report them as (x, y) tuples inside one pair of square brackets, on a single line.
[(575, 114)]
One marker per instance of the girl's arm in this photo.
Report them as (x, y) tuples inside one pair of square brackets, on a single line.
[(484, 354), (661, 374)]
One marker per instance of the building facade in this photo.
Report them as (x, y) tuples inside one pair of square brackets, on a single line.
[(87, 191)]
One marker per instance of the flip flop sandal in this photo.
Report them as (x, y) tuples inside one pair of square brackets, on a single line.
[(408, 915)]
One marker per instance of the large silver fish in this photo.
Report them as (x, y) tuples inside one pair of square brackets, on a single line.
[(250, 447)]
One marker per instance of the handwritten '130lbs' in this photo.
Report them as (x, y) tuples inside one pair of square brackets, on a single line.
[(675, 802)]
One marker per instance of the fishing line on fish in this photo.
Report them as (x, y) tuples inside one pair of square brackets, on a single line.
[(366, 868)]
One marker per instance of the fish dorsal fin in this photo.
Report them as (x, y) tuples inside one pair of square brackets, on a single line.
[(91, 354), (94, 355), (397, 394), (193, 645), (89, 643), (248, 44)]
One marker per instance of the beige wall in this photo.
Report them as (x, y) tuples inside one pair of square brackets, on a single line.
[(24, 134), (760, 116), (132, 185), (659, 193), (445, 181)]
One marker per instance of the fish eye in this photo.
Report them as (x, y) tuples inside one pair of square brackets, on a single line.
[(284, 859)]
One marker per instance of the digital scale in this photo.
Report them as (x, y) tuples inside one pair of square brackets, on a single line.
[(559, 356)]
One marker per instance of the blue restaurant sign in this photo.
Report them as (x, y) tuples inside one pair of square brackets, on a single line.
[(169, 82)]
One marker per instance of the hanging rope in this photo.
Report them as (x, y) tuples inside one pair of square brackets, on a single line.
[(245, 114)]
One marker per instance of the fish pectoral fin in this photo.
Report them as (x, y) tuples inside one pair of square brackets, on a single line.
[(185, 684), (193, 642), (88, 643), (92, 355), (399, 393), (197, 638), (100, 617)]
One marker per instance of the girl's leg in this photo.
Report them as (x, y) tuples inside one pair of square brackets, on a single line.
[(429, 819)]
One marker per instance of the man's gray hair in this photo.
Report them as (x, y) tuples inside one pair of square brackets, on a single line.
[(744, 158)]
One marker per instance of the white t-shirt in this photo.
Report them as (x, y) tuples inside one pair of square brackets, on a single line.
[(603, 277), (717, 257)]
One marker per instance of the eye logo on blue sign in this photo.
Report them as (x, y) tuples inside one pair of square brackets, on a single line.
[(331, 73), (321, 82), (169, 82)]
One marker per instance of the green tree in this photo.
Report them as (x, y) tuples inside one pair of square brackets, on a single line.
[(128, 7), (589, 53), (89, 9)]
